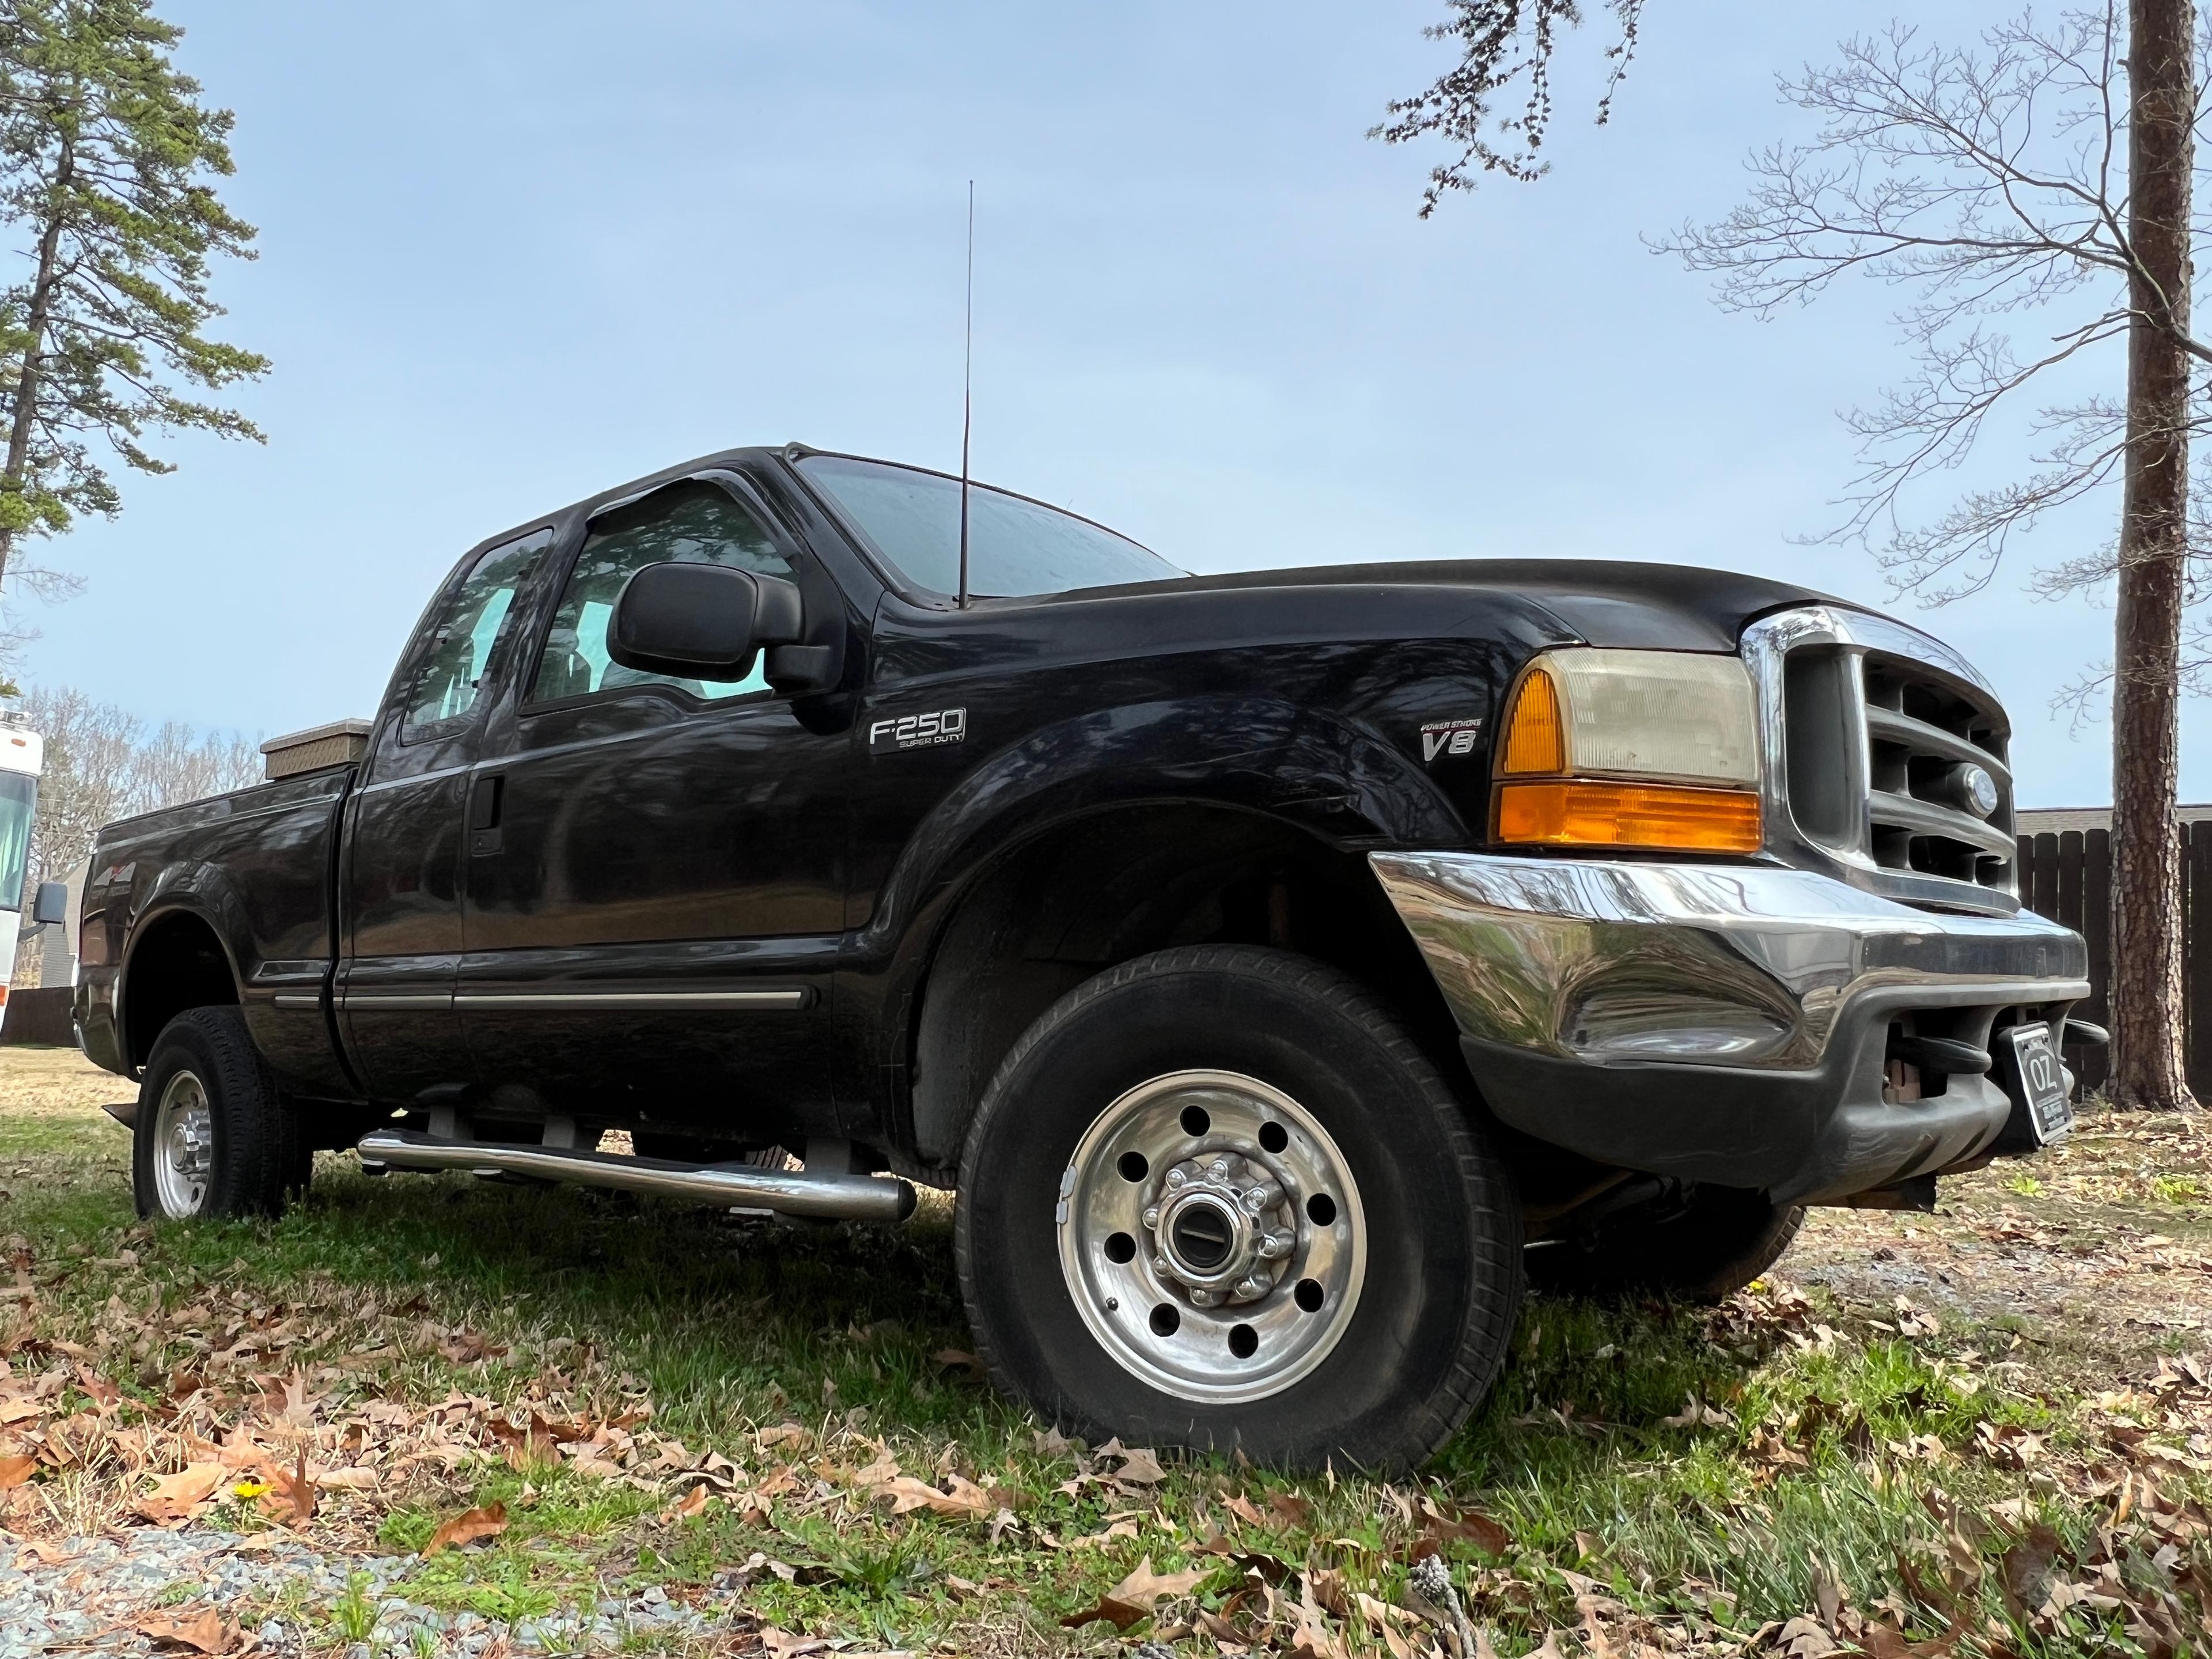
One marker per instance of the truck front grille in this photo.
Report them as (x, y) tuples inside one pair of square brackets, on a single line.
[(1875, 734), (1923, 734)]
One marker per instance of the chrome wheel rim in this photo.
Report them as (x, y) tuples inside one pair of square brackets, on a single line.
[(184, 1146), (1212, 1237)]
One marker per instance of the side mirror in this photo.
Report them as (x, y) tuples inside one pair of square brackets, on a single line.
[(700, 622), (51, 906)]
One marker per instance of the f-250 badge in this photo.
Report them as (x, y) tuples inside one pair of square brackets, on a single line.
[(1448, 737), (918, 731)]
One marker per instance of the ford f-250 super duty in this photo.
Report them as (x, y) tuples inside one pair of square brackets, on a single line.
[(1280, 965)]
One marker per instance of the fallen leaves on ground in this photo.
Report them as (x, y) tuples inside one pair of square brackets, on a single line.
[(191, 1630), (1135, 1596), (181, 1496), (467, 1528)]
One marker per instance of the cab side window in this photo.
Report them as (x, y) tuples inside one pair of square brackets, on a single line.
[(690, 523), (462, 641)]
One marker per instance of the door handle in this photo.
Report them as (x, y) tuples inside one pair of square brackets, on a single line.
[(487, 796)]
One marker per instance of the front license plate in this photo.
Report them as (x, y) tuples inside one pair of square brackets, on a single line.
[(2035, 1063)]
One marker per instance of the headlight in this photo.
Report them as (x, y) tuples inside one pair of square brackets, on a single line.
[(1657, 749)]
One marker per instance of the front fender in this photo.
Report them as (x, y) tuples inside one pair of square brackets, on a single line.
[(1328, 776)]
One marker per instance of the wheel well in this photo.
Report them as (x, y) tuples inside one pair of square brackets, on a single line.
[(1102, 890), (177, 964)]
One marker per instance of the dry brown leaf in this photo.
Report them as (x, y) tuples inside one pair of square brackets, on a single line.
[(782, 1644), (1290, 1509), (1441, 1525), (957, 1359), (467, 1527), (1696, 1415), (290, 1499), (1133, 1599), (1242, 1507), (692, 1505), (1141, 1466), (965, 1498), (181, 1496), (196, 1629), (15, 1471), (2025, 1569), (797, 1436), (1100, 1539), (103, 1394)]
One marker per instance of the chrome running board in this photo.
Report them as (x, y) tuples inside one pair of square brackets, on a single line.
[(833, 1197)]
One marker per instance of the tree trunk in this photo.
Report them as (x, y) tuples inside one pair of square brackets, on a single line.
[(36, 318), (2146, 993)]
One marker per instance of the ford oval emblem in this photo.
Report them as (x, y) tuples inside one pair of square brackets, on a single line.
[(1980, 790)]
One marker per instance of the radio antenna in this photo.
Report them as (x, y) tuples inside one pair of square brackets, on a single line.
[(967, 392)]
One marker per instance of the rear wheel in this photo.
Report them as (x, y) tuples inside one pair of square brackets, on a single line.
[(212, 1138), (1707, 1248), (1217, 1198)]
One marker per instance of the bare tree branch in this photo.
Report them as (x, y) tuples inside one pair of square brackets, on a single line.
[(1502, 43)]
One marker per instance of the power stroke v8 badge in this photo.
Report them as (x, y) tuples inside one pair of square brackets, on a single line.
[(1448, 737), (918, 731)]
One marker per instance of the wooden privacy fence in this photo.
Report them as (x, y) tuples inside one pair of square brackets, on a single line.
[(2068, 878), (39, 1015)]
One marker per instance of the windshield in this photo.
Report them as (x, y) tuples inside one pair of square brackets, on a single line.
[(1015, 546), (19, 798)]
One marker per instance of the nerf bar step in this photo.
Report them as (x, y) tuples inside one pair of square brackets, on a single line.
[(823, 1195)]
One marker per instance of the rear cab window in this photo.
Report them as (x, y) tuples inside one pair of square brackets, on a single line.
[(462, 643)]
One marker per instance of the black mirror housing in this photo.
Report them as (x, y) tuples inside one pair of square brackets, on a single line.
[(50, 907), (700, 622)]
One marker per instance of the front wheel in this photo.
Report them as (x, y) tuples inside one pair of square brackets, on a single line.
[(1217, 1198), (212, 1138)]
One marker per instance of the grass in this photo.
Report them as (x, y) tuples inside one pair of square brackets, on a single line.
[(1892, 1430)]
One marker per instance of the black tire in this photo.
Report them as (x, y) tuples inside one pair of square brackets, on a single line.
[(1724, 1238), (1435, 1313), (255, 1157)]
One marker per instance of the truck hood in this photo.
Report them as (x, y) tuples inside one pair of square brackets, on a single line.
[(1604, 602)]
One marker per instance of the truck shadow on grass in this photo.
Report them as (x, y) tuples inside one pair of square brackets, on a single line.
[(731, 1319)]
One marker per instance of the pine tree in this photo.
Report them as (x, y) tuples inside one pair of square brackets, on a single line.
[(108, 169)]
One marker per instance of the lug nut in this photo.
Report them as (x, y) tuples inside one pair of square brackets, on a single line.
[(1151, 1215), (1275, 1246), (1201, 1297), (1177, 1178)]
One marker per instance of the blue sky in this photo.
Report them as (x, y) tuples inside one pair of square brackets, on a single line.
[(511, 254)]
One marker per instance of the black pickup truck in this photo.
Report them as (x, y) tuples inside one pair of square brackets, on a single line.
[(1282, 966)]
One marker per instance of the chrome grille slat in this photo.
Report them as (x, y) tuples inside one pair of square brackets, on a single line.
[(1867, 726), (1925, 817), (1887, 725)]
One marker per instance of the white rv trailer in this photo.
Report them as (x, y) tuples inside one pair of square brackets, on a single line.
[(23, 753)]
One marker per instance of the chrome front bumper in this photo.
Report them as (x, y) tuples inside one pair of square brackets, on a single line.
[(1722, 1023)]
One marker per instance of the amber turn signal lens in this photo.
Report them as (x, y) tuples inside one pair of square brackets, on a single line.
[(1574, 813), (1534, 739)]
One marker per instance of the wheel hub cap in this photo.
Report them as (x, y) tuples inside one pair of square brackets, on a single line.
[(1211, 1235), (1222, 1228), (184, 1146)]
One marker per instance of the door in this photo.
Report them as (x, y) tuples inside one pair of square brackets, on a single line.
[(402, 877), (655, 879)]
